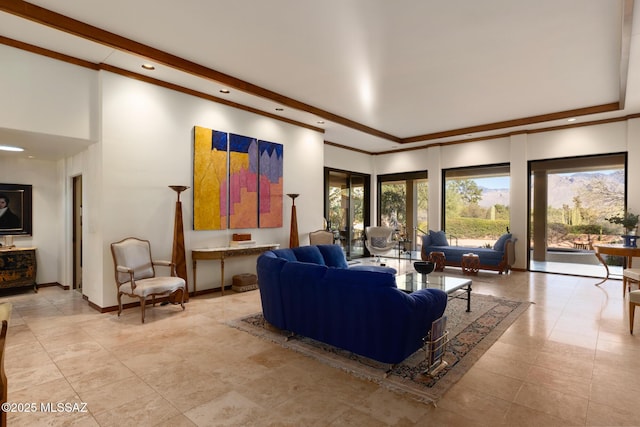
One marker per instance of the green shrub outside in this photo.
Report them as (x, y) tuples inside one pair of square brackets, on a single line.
[(476, 228)]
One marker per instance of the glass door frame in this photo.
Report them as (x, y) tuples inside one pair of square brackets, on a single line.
[(411, 204), (540, 221), (348, 240)]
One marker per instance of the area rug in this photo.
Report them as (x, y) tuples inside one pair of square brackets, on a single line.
[(471, 334)]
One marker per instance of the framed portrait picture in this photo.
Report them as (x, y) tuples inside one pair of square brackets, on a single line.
[(15, 209)]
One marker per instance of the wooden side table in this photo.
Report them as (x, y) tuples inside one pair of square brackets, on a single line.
[(438, 259), (470, 264)]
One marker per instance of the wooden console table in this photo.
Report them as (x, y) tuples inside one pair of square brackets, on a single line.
[(18, 268), (619, 250), (223, 253)]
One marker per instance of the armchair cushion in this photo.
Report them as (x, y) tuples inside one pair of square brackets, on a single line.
[(153, 285), (379, 242)]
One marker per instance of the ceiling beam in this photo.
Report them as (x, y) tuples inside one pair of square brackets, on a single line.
[(516, 122)]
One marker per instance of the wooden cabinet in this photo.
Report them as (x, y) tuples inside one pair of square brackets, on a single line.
[(18, 268)]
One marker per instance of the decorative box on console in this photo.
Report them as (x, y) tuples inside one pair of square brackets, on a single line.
[(241, 240), (244, 282)]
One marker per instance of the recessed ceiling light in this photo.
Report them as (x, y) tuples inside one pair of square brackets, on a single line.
[(572, 119), (225, 91), (279, 109), (10, 148), (320, 122), (148, 67)]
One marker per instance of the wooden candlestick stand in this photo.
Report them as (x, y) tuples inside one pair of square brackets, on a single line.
[(178, 256), (294, 239)]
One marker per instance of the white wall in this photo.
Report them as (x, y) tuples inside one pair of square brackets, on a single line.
[(47, 234), (47, 96), (147, 144)]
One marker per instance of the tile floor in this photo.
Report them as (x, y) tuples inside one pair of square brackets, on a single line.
[(568, 360)]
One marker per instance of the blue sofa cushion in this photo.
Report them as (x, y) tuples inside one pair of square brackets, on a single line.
[(499, 245), (310, 254), (286, 254), (438, 238), (333, 256)]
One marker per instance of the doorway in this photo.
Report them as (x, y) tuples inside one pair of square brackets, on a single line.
[(403, 204), (570, 200), (77, 232), (347, 209)]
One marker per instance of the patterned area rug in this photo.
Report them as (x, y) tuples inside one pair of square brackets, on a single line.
[(471, 334)]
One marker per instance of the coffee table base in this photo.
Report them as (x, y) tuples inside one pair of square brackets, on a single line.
[(454, 287), (459, 294)]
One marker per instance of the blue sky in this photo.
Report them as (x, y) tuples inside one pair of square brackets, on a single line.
[(493, 183)]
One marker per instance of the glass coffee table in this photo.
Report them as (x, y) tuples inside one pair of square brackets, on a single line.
[(455, 287)]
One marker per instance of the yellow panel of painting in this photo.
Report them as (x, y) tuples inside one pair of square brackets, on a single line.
[(209, 180)]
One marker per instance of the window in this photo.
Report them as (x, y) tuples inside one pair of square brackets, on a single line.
[(476, 204)]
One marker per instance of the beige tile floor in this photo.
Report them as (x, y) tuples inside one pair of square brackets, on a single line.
[(568, 360)]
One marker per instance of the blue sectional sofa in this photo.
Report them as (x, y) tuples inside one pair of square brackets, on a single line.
[(311, 291), (500, 257)]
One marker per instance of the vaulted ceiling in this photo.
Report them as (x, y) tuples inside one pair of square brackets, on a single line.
[(375, 75)]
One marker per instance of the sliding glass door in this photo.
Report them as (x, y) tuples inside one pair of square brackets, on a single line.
[(347, 208), (403, 205), (570, 201)]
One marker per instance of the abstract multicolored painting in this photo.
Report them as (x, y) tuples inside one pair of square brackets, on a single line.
[(237, 181), (243, 182), (210, 179), (270, 188)]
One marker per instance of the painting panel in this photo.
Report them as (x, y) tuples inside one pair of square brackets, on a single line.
[(210, 171), (243, 182), (15, 209), (270, 184)]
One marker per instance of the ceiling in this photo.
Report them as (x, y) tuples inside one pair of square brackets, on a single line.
[(381, 75)]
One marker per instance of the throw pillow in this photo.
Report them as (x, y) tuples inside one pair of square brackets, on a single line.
[(438, 238), (499, 245), (378, 242)]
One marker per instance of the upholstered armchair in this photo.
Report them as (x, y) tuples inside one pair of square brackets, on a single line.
[(321, 237), (379, 240), (136, 276)]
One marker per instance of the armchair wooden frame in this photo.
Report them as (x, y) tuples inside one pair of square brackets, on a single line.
[(136, 277)]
